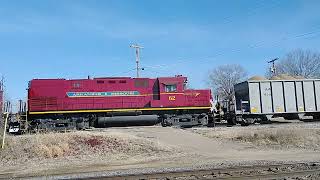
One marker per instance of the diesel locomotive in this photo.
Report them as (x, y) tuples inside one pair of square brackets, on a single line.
[(100, 102)]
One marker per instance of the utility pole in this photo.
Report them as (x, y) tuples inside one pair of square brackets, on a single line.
[(137, 47), (1, 94), (273, 67), (1, 83), (4, 129)]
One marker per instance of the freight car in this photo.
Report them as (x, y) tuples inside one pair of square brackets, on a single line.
[(260, 100), (83, 103)]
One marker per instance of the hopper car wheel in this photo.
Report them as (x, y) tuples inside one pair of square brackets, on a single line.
[(232, 121), (244, 123), (316, 117), (265, 119), (265, 122), (246, 120)]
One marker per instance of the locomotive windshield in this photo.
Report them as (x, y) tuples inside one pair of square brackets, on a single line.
[(171, 88)]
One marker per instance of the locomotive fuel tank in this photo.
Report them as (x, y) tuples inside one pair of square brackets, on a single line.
[(127, 120)]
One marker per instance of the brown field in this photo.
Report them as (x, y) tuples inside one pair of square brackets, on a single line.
[(287, 137), (76, 145), (113, 149)]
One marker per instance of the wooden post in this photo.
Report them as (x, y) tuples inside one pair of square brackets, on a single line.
[(4, 130)]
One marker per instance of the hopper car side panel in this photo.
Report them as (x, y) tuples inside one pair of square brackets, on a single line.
[(261, 99)]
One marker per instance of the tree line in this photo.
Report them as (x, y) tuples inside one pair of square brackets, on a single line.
[(297, 63)]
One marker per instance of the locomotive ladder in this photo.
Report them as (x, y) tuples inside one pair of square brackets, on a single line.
[(23, 122)]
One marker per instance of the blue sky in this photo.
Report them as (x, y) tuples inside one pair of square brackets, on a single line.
[(74, 39)]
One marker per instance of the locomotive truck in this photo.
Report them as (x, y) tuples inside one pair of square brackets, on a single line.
[(99, 102)]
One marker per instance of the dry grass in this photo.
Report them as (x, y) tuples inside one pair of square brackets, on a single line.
[(74, 144), (284, 137), (287, 138)]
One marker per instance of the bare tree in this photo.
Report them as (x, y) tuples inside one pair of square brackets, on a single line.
[(300, 62), (224, 77)]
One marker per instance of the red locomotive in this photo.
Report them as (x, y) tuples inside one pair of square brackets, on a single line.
[(61, 103)]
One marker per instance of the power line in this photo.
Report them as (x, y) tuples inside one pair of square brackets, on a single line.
[(261, 43), (226, 20), (250, 12), (222, 52)]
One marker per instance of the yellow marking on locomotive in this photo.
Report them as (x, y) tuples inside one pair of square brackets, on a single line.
[(172, 98), (174, 93), (118, 110)]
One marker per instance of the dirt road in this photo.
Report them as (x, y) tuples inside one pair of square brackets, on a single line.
[(216, 149)]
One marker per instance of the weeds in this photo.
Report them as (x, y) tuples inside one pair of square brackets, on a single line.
[(75, 144), (284, 137)]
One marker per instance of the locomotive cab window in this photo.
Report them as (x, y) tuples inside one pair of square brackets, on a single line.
[(171, 88), (76, 85)]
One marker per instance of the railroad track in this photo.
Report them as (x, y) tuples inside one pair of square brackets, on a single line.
[(280, 171), (301, 170)]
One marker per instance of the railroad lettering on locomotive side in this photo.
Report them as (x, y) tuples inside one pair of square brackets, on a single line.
[(172, 98)]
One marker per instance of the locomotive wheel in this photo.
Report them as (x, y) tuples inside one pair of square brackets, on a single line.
[(163, 124)]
